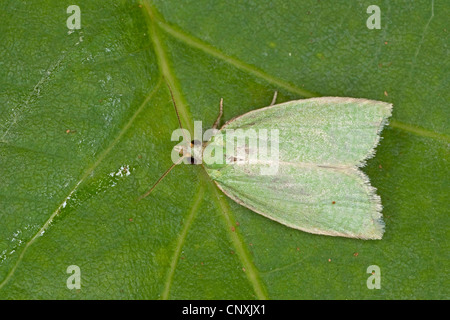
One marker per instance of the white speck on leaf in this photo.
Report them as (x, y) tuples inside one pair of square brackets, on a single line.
[(123, 171)]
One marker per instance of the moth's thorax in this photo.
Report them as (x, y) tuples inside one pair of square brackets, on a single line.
[(191, 153), (196, 148), (214, 152)]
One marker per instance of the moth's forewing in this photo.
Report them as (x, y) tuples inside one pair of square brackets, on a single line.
[(327, 131)]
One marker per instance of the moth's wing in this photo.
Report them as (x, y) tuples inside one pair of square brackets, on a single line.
[(317, 187), (329, 201), (329, 131)]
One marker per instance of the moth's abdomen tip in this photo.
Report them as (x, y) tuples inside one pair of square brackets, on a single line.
[(375, 234)]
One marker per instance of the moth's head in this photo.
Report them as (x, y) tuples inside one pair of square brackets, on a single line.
[(191, 153)]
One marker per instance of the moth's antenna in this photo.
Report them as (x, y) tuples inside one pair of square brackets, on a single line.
[(274, 99), (179, 160), (159, 180), (220, 114), (176, 110)]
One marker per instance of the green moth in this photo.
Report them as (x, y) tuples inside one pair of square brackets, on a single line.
[(314, 184)]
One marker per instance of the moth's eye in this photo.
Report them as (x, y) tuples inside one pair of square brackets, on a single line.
[(195, 143)]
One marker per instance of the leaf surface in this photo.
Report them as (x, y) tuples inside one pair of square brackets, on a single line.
[(85, 127)]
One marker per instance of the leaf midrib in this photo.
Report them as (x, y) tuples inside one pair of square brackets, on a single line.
[(238, 243)]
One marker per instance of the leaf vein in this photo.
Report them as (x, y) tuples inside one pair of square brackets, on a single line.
[(84, 176), (180, 242), (207, 48)]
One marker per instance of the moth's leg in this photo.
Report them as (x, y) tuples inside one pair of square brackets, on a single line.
[(274, 98), (220, 114)]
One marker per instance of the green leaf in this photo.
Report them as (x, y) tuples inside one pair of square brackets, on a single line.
[(85, 127)]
